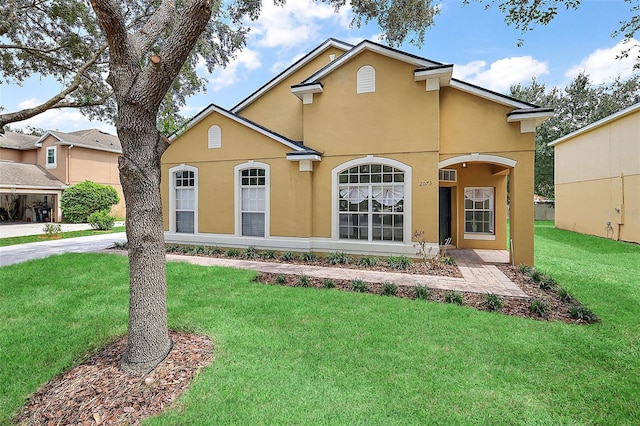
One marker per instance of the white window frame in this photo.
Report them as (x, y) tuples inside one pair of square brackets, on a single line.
[(238, 197), (335, 195), (172, 197), (490, 236), (53, 165), (214, 137), (366, 79)]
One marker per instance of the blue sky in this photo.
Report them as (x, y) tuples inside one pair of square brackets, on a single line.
[(482, 48)]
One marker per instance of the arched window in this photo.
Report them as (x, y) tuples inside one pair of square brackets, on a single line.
[(372, 200), (252, 199), (183, 199), (366, 79), (214, 137)]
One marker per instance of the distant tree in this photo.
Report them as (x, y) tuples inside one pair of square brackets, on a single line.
[(577, 105), (85, 198)]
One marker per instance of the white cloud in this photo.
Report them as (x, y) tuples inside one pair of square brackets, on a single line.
[(602, 65), (51, 119), (502, 73), (247, 59)]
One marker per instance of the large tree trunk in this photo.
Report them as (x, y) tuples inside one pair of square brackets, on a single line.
[(142, 146)]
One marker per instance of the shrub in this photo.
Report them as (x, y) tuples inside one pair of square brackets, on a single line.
[(327, 283), (304, 281), (287, 256), (281, 278), (233, 252), (216, 250), (171, 248), (389, 289), (398, 262), (524, 269), (539, 306), (583, 313), (196, 250), (268, 254), (51, 229), (250, 253), (359, 286), (338, 258), (84, 198), (368, 261), (493, 302), (422, 292), (101, 220), (308, 256), (564, 295), (120, 246), (453, 296)]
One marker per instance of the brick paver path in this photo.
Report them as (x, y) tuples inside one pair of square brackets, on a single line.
[(479, 276)]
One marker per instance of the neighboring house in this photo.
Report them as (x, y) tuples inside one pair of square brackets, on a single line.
[(597, 177), (353, 148), (34, 171)]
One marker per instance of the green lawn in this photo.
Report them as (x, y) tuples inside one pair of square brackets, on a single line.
[(10, 241), (307, 356)]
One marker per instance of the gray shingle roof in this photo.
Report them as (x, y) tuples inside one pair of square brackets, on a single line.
[(92, 139), (27, 175), (18, 141)]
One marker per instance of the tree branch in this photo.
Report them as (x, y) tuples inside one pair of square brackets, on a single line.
[(144, 39), (110, 19)]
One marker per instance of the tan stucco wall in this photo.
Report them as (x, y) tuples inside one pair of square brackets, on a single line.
[(597, 176), (280, 110), (8, 154)]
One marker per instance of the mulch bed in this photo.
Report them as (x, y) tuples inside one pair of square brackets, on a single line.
[(98, 393)]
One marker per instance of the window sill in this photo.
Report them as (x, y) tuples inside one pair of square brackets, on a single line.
[(485, 237)]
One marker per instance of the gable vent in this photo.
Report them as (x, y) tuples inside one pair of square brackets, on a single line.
[(366, 79), (448, 175), (215, 137)]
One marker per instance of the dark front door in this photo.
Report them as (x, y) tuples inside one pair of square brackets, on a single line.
[(444, 216)]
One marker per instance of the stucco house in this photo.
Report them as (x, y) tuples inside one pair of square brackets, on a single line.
[(353, 148), (35, 170), (597, 177)]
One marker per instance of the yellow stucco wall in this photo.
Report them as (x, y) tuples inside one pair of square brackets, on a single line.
[(597, 177), (280, 110)]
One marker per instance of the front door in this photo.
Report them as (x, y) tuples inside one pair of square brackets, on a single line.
[(444, 216)]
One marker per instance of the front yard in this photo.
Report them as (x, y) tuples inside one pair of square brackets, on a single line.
[(317, 356)]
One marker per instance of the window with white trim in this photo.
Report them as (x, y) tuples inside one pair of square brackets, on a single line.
[(253, 187), (52, 160), (184, 201), (214, 136), (371, 203), (479, 211), (366, 79)]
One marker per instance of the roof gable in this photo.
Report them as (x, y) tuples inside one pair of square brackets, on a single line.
[(90, 139)]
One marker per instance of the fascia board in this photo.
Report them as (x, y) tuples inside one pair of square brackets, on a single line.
[(490, 95)]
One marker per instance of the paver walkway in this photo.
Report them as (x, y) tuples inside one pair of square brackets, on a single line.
[(479, 276)]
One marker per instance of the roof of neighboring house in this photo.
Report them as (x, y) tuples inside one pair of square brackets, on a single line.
[(16, 140), (22, 175), (90, 139), (613, 117)]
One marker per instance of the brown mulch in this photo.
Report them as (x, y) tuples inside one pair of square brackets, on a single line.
[(97, 392)]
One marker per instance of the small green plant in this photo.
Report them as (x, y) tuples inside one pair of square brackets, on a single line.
[(120, 246), (327, 283), (422, 292), (308, 256), (453, 296), (232, 252), (389, 289), (448, 260), (493, 302), (268, 254), (535, 275), (196, 250), (287, 256), (368, 261), (101, 220), (564, 295), (359, 286), (338, 258), (524, 269), (583, 313), (398, 262), (539, 306), (304, 281), (172, 248), (250, 253), (51, 229), (281, 279)]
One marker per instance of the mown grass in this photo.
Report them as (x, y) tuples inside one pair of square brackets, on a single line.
[(10, 241), (309, 356)]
